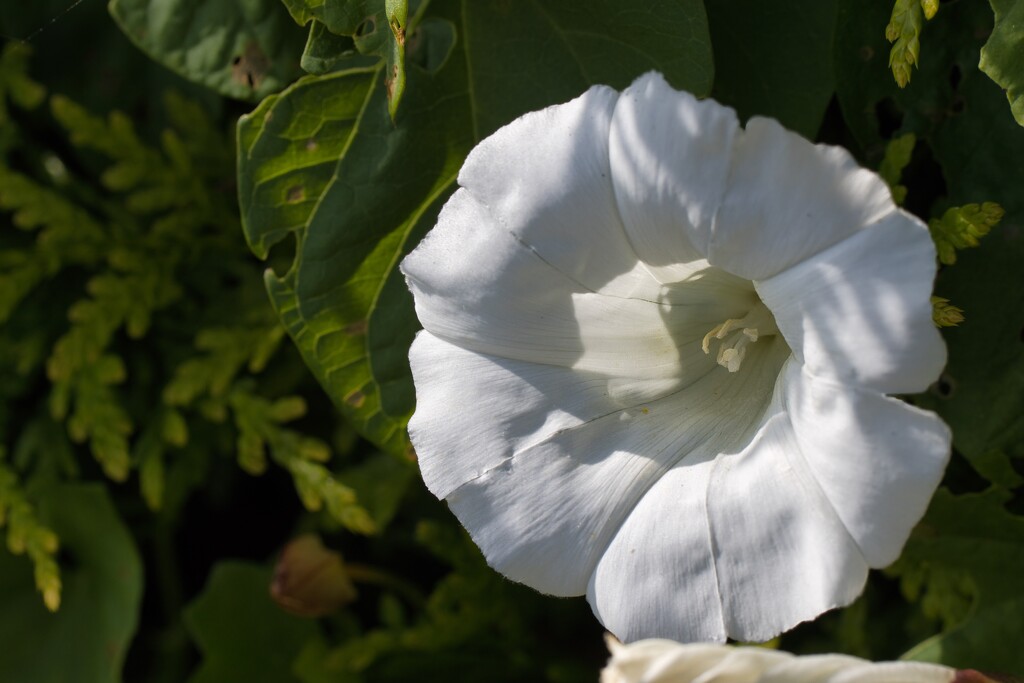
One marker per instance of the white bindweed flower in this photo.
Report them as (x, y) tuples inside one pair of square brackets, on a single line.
[(665, 661), (655, 362)]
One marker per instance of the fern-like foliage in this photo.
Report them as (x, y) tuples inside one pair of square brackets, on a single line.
[(960, 227), (133, 321), (25, 534), (945, 314), (904, 32)]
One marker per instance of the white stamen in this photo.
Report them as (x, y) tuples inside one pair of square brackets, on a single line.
[(737, 333)]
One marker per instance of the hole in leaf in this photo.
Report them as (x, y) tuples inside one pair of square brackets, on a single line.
[(368, 26), (945, 386), (833, 129), (889, 117), (923, 179), (954, 77), (282, 255)]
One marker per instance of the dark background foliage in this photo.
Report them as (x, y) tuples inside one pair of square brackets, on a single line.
[(166, 429)]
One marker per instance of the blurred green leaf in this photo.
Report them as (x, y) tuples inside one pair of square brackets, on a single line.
[(974, 535), (242, 634), (380, 482), (524, 56), (897, 156), (14, 81), (323, 161), (245, 50), (1002, 57), (774, 59), (87, 639), (997, 467)]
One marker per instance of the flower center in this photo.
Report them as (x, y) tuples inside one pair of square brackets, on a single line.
[(736, 334)]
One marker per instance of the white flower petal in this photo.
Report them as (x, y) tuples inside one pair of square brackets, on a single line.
[(788, 199), (892, 458), (500, 407), (670, 157), (546, 178), (764, 503), (459, 275), (658, 575), (600, 469), (665, 661), (860, 312)]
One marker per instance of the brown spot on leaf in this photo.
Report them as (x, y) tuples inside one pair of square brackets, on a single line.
[(250, 67), (356, 399), (312, 145), (295, 194), (398, 30), (389, 82), (357, 328)]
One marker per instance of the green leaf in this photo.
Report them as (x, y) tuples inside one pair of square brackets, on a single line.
[(326, 51), (242, 634), (244, 50), (997, 468), (323, 161), (774, 59), (1002, 57), (380, 482), (961, 227), (377, 27), (974, 536), (526, 55), (87, 639)]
